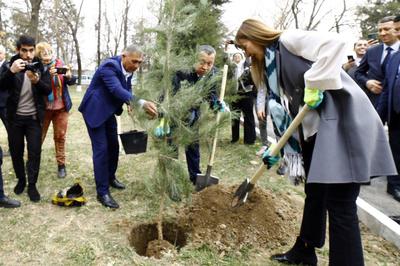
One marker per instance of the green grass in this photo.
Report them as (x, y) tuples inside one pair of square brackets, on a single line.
[(44, 234)]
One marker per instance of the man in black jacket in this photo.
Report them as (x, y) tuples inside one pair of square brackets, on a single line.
[(204, 67), (26, 83)]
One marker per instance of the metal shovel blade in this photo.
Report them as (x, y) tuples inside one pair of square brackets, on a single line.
[(203, 181), (242, 193)]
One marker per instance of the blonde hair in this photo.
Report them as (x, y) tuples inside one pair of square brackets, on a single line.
[(260, 34), (43, 47)]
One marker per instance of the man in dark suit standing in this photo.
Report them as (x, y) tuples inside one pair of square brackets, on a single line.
[(109, 89), (370, 72), (389, 111), (5, 201)]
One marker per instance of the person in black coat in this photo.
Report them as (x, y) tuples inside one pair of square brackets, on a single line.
[(203, 68), (245, 103), (27, 84), (5, 201)]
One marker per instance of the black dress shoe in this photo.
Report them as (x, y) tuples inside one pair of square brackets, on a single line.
[(62, 172), (300, 253), (20, 187), (287, 259), (6, 202), (108, 201), (116, 184), (394, 191)]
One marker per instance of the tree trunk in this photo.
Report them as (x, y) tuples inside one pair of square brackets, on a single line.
[(78, 57), (160, 217), (33, 27), (127, 6), (99, 35)]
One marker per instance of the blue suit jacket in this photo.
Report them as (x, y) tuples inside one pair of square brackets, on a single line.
[(370, 68), (106, 94), (386, 100)]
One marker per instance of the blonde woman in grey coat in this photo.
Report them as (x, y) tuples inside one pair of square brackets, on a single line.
[(341, 141)]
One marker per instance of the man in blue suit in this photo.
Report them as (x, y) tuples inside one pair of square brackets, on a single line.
[(389, 110), (109, 89), (370, 72)]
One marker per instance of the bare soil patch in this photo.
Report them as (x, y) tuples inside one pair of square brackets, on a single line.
[(264, 220)]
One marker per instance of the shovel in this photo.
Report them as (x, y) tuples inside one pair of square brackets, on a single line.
[(206, 180), (245, 188)]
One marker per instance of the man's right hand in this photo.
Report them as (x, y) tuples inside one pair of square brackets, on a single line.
[(374, 86), (17, 66), (151, 109), (349, 64)]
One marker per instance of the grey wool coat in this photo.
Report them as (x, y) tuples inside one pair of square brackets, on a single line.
[(351, 145)]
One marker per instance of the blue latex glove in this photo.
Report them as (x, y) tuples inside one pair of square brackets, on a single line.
[(221, 106), (269, 160), (162, 129), (313, 97)]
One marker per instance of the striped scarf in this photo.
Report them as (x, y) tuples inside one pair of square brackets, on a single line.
[(281, 119), (56, 82)]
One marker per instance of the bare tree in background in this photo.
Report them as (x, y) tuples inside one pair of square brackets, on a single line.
[(72, 17), (339, 18), (116, 32), (98, 28), (308, 15), (125, 21), (34, 24)]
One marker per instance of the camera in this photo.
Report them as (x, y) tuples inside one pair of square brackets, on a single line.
[(34, 66), (61, 70)]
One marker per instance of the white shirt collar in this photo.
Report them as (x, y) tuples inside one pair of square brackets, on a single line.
[(126, 74), (394, 46)]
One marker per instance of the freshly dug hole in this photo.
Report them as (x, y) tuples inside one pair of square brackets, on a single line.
[(142, 234)]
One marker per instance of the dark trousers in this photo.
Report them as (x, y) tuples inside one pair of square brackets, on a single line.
[(394, 141), (339, 202), (29, 128), (21, 128), (193, 160), (3, 117), (105, 148), (1, 174), (244, 104)]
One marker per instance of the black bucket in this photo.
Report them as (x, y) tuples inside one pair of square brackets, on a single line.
[(134, 141)]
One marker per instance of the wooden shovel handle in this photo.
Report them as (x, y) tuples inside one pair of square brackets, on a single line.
[(221, 98), (282, 141)]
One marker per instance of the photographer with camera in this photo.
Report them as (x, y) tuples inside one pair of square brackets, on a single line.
[(58, 102), (246, 92), (26, 83)]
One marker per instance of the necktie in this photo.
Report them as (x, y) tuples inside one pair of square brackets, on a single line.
[(396, 94), (386, 60)]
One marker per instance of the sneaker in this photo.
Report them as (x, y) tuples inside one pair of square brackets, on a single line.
[(62, 172), (261, 151)]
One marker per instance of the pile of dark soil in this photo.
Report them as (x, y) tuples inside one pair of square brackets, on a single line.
[(265, 220)]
